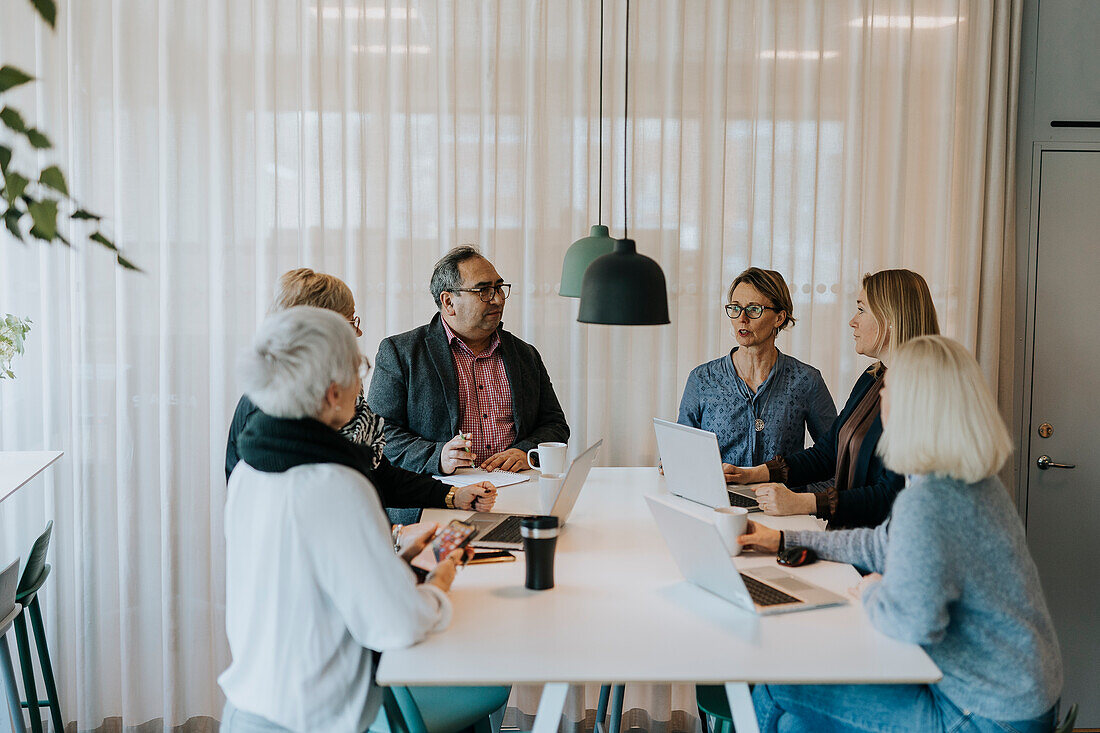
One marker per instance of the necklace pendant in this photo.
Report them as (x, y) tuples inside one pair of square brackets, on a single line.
[(759, 424)]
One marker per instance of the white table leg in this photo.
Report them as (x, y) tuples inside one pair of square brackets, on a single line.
[(741, 709), (551, 705)]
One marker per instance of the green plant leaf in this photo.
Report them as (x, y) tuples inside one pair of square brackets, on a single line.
[(44, 214), (11, 221), (11, 77), (38, 140), (126, 264), (14, 186), (99, 238), (48, 10), (61, 238), (5, 158), (13, 120), (55, 179), (84, 214)]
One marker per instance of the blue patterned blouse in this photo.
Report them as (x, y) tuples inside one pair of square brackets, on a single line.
[(793, 397)]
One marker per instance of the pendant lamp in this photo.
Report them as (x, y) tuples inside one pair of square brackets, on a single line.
[(624, 288), (599, 242)]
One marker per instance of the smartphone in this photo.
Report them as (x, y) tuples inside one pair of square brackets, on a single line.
[(487, 556), (455, 535)]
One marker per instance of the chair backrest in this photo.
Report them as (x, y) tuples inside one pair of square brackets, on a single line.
[(9, 580), (36, 570)]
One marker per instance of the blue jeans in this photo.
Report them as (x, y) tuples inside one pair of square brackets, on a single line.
[(877, 709)]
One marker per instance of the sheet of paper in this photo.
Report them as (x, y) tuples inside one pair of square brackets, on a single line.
[(496, 478)]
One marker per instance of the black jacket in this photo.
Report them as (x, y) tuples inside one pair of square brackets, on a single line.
[(396, 487), (867, 502), (415, 388)]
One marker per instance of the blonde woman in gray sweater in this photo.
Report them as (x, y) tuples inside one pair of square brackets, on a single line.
[(949, 569)]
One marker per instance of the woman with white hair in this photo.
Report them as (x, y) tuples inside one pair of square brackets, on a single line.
[(403, 492), (313, 588), (950, 569)]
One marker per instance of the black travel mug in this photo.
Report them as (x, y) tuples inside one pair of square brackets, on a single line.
[(540, 537)]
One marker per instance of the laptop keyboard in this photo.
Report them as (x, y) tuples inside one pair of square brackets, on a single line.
[(765, 595), (506, 531), (741, 500)]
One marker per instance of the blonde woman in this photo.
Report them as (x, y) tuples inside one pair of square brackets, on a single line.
[(893, 307), (950, 570), (397, 487), (758, 401)]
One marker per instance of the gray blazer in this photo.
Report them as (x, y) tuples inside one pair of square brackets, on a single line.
[(415, 388)]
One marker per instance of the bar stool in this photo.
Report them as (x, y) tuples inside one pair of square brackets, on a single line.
[(9, 611), (34, 576)]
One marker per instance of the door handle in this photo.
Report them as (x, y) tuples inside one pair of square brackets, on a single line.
[(1044, 462)]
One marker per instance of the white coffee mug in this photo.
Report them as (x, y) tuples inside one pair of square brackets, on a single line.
[(731, 522), (551, 457), (549, 487)]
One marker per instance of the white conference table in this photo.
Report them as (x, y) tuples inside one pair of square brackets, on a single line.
[(620, 612), (19, 467)]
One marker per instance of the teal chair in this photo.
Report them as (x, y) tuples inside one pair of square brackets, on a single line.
[(439, 709), (615, 693), (34, 575), (712, 702)]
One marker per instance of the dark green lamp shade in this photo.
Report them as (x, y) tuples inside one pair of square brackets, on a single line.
[(624, 288), (580, 256)]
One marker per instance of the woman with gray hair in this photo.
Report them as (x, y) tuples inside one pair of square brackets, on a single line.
[(313, 587), (403, 492)]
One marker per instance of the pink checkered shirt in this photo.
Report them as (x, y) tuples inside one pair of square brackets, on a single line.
[(484, 397)]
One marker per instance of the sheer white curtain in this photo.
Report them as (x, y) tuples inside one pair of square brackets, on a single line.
[(228, 142)]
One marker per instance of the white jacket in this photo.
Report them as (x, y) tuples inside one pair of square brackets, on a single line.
[(312, 586)]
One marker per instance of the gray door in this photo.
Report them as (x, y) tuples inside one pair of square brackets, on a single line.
[(1063, 504)]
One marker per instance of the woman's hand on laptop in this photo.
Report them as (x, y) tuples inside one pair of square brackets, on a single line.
[(476, 497), (779, 501), (742, 475), (760, 538)]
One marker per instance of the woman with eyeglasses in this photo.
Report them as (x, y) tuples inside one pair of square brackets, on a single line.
[(399, 489), (893, 307), (756, 399)]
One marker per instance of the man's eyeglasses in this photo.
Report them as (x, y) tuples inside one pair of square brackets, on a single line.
[(753, 311), (486, 293)]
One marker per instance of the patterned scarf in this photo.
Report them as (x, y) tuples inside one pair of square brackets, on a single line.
[(366, 429)]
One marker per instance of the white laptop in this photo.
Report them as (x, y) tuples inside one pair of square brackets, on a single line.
[(501, 531), (704, 560), (693, 467)]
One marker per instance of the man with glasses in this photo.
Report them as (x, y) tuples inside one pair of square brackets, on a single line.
[(462, 391)]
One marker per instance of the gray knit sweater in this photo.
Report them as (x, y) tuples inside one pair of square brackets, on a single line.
[(959, 581)]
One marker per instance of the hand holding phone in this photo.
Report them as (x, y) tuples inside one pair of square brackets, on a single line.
[(454, 536)]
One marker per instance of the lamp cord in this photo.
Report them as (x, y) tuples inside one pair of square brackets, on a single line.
[(626, 110), (599, 193)]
